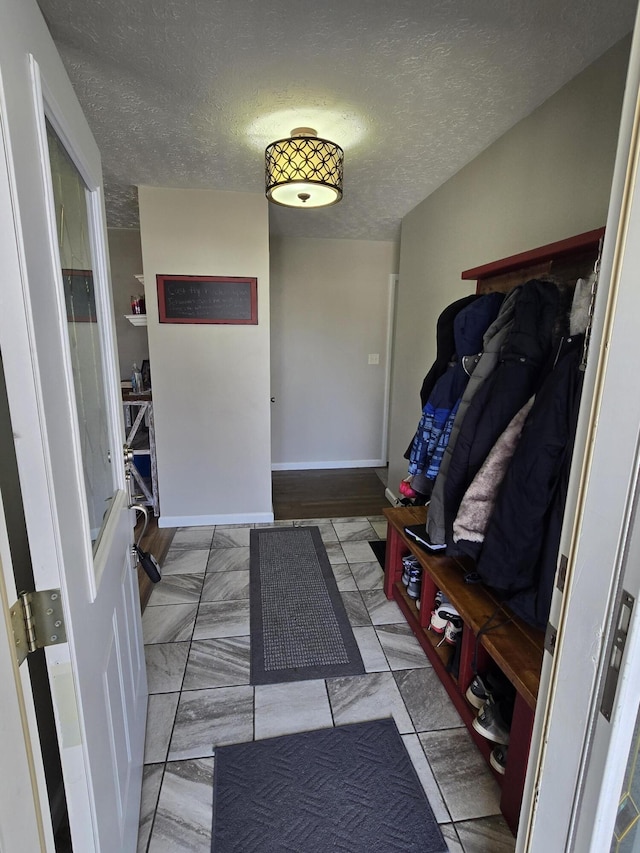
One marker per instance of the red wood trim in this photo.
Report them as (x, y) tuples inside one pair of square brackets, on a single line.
[(395, 550), (518, 758), (571, 245)]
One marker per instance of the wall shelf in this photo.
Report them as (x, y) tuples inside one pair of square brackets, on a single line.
[(137, 319)]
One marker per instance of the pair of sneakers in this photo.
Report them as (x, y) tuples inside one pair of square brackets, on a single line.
[(445, 620), (409, 562), (493, 696), (412, 576)]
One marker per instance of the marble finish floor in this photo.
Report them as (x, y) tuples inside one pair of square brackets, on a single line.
[(196, 630)]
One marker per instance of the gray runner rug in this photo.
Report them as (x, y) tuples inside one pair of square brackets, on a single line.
[(299, 626), (350, 789)]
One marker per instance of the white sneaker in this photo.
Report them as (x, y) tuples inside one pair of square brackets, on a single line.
[(498, 758), (441, 616), (453, 631)]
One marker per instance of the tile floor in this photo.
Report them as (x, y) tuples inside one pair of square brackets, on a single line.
[(196, 631)]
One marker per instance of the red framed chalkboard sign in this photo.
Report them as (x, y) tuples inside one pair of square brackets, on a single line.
[(207, 299)]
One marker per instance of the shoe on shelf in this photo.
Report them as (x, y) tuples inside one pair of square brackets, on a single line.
[(453, 630), (498, 758), (409, 562), (491, 722), (477, 692), (440, 598), (406, 489), (441, 615), (493, 684), (414, 586)]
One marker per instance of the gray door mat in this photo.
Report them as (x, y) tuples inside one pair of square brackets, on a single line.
[(350, 789)]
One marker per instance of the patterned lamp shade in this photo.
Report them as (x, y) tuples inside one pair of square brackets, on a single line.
[(304, 170)]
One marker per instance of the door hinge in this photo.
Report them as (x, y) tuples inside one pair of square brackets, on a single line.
[(617, 643), (37, 621), (550, 637), (561, 578)]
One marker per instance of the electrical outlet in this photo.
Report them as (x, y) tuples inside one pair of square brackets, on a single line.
[(374, 358)]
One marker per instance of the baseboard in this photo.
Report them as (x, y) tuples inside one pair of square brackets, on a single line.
[(316, 466), (207, 520), (393, 499)]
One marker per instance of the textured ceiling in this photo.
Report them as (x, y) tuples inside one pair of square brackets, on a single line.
[(187, 93)]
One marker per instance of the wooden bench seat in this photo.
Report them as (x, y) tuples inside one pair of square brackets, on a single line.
[(492, 637)]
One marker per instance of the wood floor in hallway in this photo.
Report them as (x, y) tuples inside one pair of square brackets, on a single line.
[(327, 493)]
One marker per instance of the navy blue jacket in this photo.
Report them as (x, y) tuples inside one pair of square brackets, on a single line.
[(520, 551), (511, 384), (445, 350), (439, 412), (445, 345)]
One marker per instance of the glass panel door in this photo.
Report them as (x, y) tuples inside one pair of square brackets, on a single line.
[(626, 834), (72, 218)]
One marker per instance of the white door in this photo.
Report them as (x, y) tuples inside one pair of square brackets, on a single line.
[(58, 348), (585, 721)]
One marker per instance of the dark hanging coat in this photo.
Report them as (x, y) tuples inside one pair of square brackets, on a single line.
[(503, 394), (445, 349), (445, 344), (520, 551), (492, 344), (439, 412), (479, 500)]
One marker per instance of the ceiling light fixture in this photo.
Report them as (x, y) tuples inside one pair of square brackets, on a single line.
[(304, 170)]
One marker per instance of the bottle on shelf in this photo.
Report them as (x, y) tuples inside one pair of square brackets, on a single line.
[(138, 305), (136, 379)]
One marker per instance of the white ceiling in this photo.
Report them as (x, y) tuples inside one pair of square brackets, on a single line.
[(187, 93)]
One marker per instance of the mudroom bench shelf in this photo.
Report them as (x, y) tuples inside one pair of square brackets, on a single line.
[(515, 648)]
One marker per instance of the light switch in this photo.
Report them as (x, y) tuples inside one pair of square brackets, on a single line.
[(374, 358)]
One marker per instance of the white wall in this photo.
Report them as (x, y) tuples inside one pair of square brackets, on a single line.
[(210, 382), (548, 178), (329, 310), (125, 255)]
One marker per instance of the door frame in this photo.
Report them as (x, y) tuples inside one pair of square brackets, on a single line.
[(595, 531), (606, 761), (394, 279)]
